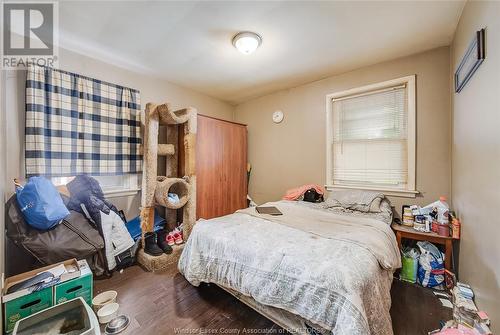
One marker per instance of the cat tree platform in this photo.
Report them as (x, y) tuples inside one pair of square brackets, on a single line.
[(159, 263)]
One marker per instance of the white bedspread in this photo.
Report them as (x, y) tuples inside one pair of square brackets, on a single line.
[(336, 272)]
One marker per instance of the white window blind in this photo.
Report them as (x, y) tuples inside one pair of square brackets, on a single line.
[(370, 139)]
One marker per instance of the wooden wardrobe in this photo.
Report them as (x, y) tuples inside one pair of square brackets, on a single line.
[(221, 167)]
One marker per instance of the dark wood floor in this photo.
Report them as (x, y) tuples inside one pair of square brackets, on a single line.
[(165, 303)]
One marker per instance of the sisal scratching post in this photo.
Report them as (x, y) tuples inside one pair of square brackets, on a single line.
[(147, 221), (150, 159), (150, 156), (189, 214), (172, 168)]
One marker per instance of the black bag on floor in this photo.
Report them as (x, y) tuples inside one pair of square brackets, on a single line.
[(73, 238)]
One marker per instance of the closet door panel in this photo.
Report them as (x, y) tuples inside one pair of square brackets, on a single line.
[(235, 167), (221, 160), (208, 159)]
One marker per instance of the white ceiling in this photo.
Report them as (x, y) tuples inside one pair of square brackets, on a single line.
[(189, 42)]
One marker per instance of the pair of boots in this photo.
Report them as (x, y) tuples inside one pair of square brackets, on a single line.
[(156, 243)]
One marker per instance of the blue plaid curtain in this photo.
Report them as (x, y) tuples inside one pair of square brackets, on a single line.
[(76, 125)]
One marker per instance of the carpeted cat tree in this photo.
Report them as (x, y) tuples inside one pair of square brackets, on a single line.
[(181, 130)]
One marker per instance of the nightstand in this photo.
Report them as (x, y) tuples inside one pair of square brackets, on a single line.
[(410, 233)]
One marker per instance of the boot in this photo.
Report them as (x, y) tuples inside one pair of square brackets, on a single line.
[(162, 241), (151, 248)]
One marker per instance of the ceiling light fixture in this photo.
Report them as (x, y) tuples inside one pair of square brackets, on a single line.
[(247, 42)]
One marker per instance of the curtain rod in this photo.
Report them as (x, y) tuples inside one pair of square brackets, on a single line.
[(83, 77)]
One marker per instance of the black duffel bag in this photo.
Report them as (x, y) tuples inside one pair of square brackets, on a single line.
[(74, 237)]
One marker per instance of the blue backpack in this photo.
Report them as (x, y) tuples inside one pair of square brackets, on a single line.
[(41, 203)]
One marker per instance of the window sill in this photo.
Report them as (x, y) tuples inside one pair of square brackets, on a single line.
[(389, 192), (120, 193)]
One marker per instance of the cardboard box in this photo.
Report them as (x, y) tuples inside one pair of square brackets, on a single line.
[(23, 303), (71, 263), (26, 305), (78, 287)]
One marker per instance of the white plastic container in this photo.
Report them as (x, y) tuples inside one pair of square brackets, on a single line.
[(52, 319)]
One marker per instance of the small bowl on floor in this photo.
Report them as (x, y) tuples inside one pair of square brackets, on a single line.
[(108, 312), (117, 325), (103, 299)]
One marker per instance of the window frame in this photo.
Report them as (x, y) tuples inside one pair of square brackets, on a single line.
[(129, 189), (409, 81)]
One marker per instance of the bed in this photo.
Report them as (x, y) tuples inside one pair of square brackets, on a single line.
[(323, 267)]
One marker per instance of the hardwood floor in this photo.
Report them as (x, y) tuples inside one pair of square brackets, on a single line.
[(415, 309), (165, 303)]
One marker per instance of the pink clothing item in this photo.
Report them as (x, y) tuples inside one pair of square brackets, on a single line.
[(296, 193)]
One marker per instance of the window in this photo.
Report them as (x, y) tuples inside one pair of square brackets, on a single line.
[(371, 137), (112, 186)]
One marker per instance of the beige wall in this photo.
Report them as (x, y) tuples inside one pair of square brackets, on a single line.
[(476, 158), (293, 152), (152, 90)]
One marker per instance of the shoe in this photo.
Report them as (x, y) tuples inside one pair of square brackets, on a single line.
[(162, 241), (170, 239), (151, 248), (178, 238)]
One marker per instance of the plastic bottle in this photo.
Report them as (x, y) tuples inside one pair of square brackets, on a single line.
[(443, 210)]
